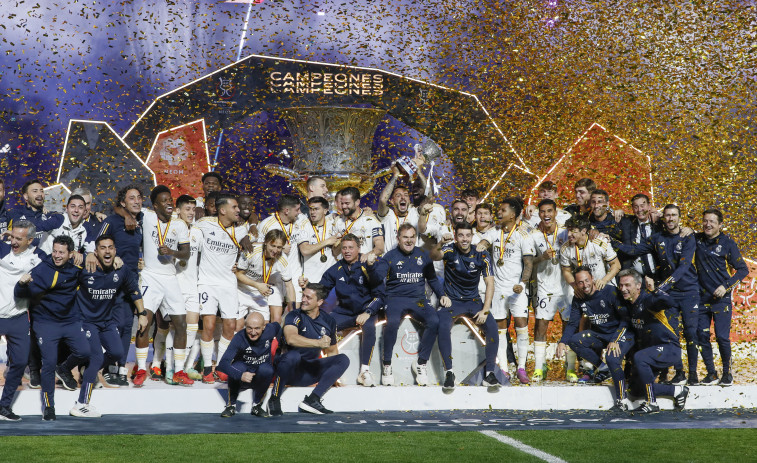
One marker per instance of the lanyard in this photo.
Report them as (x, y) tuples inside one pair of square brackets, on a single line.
[(232, 235), (554, 240), (288, 233), (504, 241), (266, 275), (317, 238), (347, 230)]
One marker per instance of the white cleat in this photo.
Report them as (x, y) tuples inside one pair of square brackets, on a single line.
[(365, 378), (387, 379), (84, 411), (421, 377)]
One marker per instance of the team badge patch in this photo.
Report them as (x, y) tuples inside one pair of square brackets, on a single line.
[(419, 261), (115, 278)]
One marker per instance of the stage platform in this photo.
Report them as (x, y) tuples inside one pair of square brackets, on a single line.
[(159, 398)]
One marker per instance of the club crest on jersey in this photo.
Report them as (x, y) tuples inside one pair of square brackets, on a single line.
[(115, 278), (718, 249), (268, 344), (419, 261), (602, 303), (360, 280), (91, 280), (400, 263), (323, 331), (679, 245), (472, 265), (88, 334), (39, 340), (660, 349)]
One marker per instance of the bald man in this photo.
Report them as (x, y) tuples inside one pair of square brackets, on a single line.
[(248, 362)]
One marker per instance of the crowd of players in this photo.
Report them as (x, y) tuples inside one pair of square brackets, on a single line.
[(625, 287)]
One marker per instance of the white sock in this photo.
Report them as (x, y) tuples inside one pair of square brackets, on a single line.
[(570, 359), (223, 344), (123, 371), (141, 353), (502, 350), (158, 347), (522, 345), (191, 335), (179, 357), (206, 348), (364, 368), (540, 354), (169, 351), (195, 350)]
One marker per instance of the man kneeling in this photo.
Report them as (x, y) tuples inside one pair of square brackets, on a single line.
[(248, 364), (307, 331)]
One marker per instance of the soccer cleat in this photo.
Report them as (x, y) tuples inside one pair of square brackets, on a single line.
[(193, 374), (274, 406), (726, 380), (387, 379), (710, 380), (571, 376), (221, 376), (48, 414), (365, 378), (134, 370), (601, 376), (693, 380), (209, 378), (6, 414), (680, 399), (421, 376), (491, 382), (156, 374), (314, 406), (111, 379), (449, 382), (182, 379), (259, 411), (229, 411), (34, 379), (538, 376), (522, 376), (586, 378), (66, 378), (679, 379), (139, 378), (648, 408), (84, 411), (620, 406)]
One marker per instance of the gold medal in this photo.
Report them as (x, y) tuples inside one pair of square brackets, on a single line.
[(324, 258), (500, 263), (182, 263)]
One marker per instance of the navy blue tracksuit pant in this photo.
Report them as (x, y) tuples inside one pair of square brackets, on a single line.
[(16, 332), (49, 335), (396, 308)]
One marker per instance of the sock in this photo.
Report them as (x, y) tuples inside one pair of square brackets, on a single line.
[(522, 345), (158, 347), (191, 337), (570, 360), (502, 350), (540, 354), (122, 370), (364, 368), (169, 351), (206, 349), (141, 353), (223, 344), (194, 351), (179, 356)]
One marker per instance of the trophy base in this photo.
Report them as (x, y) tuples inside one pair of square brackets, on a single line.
[(334, 180)]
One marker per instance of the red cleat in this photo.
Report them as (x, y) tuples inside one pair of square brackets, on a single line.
[(209, 378), (139, 378), (182, 379), (221, 376)]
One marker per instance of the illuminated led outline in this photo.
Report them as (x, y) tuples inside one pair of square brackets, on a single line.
[(491, 120), (57, 185), (65, 143), (204, 136)]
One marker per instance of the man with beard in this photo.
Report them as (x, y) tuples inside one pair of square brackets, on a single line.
[(286, 219), (582, 207), (211, 182), (400, 212), (248, 216), (602, 218), (353, 220), (32, 210)]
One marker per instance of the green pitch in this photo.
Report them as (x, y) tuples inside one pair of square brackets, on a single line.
[(618, 446)]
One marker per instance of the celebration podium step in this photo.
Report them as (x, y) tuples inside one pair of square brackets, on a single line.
[(158, 398)]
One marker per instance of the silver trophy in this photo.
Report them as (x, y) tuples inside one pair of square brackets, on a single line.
[(429, 150)]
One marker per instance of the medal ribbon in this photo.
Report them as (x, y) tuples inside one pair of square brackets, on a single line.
[(288, 233), (319, 239), (503, 241), (347, 230), (232, 235), (266, 275), (162, 234)]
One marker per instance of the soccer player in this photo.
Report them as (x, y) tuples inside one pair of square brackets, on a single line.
[(401, 211), (546, 190), (597, 254), (165, 240), (286, 219), (582, 206), (656, 341), (217, 283), (186, 274), (359, 300), (471, 197), (407, 269), (463, 268), (52, 285), (513, 252), (715, 253), (95, 298), (128, 248), (247, 215), (261, 275), (70, 224), (602, 218), (32, 210), (353, 220), (248, 363), (212, 182), (608, 323), (92, 222), (316, 239), (308, 332), (676, 275), (16, 259), (553, 295)]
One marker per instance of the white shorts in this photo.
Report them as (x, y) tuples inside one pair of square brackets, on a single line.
[(297, 291), (506, 303), (218, 298), (547, 307), (159, 292), (192, 302), (256, 303)]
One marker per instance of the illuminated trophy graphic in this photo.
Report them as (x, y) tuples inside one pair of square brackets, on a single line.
[(333, 143)]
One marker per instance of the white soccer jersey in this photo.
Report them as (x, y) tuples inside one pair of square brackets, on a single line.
[(186, 270), (253, 266), (274, 223), (549, 278), (218, 252), (560, 218), (392, 222), (155, 233), (365, 227), (313, 267), (13, 267), (596, 254), (436, 223), (78, 234), (508, 249)]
